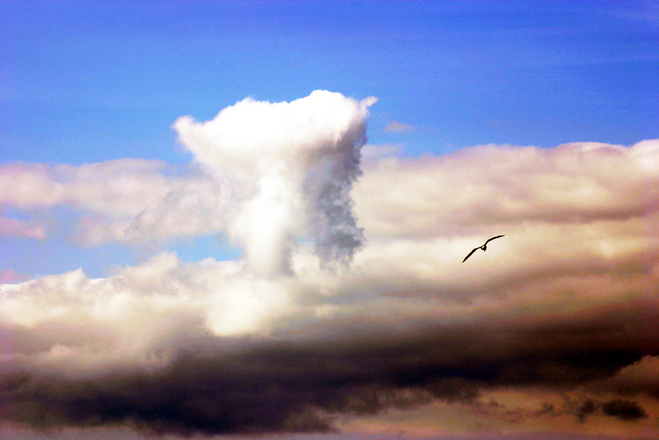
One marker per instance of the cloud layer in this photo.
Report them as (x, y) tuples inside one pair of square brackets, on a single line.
[(555, 326)]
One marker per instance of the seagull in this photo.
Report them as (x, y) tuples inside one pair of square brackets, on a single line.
[(483, 248)]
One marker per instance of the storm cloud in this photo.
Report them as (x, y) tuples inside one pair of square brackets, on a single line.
[(283, 383)]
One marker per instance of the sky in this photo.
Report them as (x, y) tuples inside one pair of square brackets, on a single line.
[(248, 219)]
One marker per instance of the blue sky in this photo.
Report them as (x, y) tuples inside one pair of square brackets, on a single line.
[(221, 254), (90, 81), (86, 82)]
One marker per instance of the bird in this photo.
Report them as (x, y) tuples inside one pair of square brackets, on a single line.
[(483, 248)]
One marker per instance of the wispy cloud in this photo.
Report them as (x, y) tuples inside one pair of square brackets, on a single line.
[(371, 153), (399, 127), (12, 227), (9, 276)]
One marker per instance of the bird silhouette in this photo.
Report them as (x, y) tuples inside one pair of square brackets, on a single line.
[(483, 248)]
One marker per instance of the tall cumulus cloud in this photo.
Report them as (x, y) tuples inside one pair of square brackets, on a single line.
[(290, 168)]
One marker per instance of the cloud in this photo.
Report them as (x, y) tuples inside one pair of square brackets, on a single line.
[(619, 408), (11, 227), (398, 127), (640, 377), (623, 409), (147, 358), (559, 315), (108, 194), (290, 167), (572, 183), (372, 153), (9, 276), (271, 174), (286, 364)]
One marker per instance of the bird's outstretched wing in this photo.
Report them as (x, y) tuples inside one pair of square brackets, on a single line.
[(472, 251), (493, 238)]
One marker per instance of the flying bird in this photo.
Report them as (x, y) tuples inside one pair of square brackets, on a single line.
[(483, 248)]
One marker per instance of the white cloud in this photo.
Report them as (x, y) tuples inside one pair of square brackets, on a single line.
[(109, 192), (489, 186), (289, 168), (272, 173), (371, 153), (29, 185)]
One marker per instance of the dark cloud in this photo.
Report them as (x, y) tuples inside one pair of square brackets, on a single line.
[(587, 408), (620, 408), (624, 409), (247, 385)]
